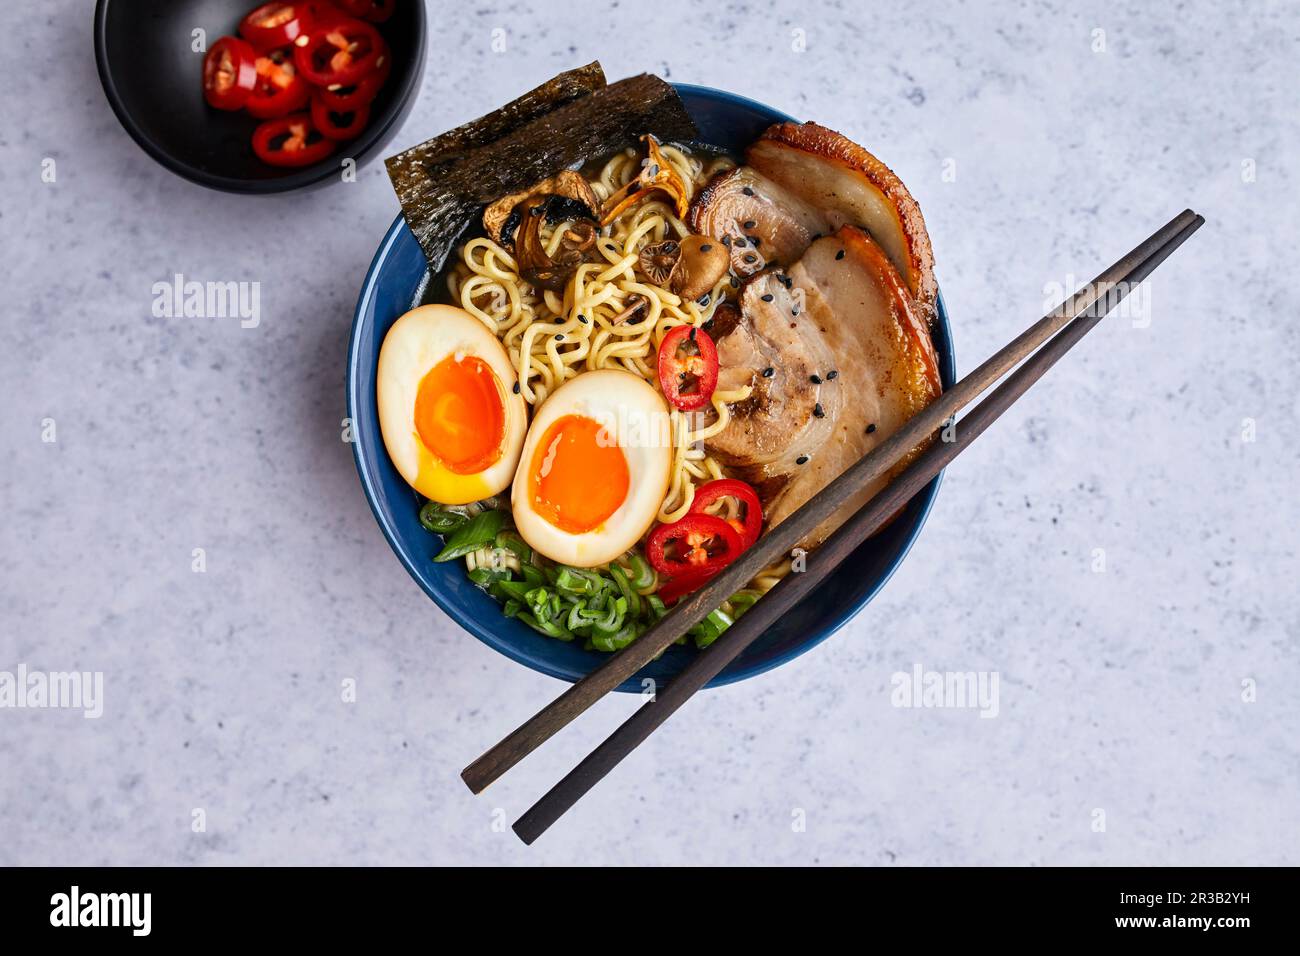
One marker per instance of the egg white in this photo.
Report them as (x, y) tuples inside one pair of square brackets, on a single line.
[(417, 342), (637, 417)]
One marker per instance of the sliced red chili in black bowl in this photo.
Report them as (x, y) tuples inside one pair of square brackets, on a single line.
[(291, 141), (280, 90), (688, 367), (339, 53), (275, 24), (376, 11), (344, 99), (229, 73), (339, 125)]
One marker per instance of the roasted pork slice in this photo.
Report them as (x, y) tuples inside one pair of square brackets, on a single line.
[(848, 185), (784, 360), (758, 220), (850, 361)]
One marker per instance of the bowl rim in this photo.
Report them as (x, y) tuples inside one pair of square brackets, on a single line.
[(371, 138), (926, 497)]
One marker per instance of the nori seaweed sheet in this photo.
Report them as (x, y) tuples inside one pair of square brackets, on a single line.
[(444, 183)]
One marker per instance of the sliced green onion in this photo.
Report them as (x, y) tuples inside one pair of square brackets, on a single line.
[(472, 535), (439, 519)]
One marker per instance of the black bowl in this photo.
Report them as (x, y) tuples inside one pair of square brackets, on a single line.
[(152, 78)]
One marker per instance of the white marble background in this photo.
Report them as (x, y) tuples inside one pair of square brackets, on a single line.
[(1120, 691)]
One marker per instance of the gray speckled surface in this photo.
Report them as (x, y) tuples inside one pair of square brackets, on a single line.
[(1119, 691)]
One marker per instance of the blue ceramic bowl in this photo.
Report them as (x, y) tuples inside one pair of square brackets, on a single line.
[(394, 284)]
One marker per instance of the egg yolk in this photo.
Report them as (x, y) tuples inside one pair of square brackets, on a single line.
[(578, 476), (459, 415)]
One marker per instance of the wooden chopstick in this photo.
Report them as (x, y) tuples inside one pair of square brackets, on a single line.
[(777, 602), (781, 540)]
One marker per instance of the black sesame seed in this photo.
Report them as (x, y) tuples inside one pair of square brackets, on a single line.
[(692, 334), (747, 191), (840, 254), (726, 241), (704, 299), (756, 241), (801, 460), (516, 388), (871, 428), (794, 311), (750, 224), (559, 336), (583, 319), (750, 257), (535, 211), (706, 247), (769, 372), (768, 297), (670, 246), (654, 170), (735, 282), (815, 379), (739, 243), (831, 375), (818, 411)]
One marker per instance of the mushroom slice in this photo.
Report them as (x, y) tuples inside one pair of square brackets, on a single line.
[(847, 184), (502, 218), (689, 267), (636, 305), (657, 175), (535, 265), (703, 261)]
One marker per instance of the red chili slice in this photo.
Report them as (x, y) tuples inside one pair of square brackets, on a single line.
[(345, 99), (750, 523), (275, 24), (229, 73), (338, 53), (291, 141), (694, 545), (688, 367), (376, 11), (339, 125), (681, 585), (280, 90)]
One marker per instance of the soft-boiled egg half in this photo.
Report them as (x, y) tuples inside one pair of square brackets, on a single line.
[(452, 420), (594, 468)]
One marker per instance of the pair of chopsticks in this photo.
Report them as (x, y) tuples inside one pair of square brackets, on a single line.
[(1060, 330)]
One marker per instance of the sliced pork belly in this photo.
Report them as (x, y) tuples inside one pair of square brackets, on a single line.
[(847, 184), (760, 221), (851, 361)]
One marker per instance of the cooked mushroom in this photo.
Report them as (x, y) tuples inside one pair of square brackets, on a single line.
[(658, 262), (535, 265), (657, 175), (502, 218), (703, 262), (689, 267), (636, 304)]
